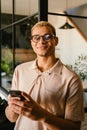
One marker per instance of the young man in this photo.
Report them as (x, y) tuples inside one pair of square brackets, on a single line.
[(53, 93)]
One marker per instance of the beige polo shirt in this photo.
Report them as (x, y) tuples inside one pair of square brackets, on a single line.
[(58, 90)]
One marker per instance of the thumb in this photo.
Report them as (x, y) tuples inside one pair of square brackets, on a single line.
[(26, 96)]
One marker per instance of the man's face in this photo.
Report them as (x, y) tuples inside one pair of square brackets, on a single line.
[(43, 41)]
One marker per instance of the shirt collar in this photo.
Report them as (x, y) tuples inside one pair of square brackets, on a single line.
[(34, 65), (55, 69)]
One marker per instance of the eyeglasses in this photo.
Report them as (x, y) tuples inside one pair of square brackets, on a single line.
[(46, 38)]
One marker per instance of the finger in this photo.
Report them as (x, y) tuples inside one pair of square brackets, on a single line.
[(19, 103), (12, 99), (16, 109), (26, 112), (21, 110)]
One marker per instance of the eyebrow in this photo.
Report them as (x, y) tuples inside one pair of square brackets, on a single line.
[(43, 35)]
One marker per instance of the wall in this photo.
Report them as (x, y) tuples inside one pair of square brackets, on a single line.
[(71, 43)]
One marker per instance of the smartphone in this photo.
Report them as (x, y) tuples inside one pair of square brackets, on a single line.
[(16, 93)]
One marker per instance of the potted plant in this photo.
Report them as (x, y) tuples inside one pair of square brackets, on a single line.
[(6, 67)]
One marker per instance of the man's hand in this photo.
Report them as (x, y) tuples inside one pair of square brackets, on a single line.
[(28, 107)]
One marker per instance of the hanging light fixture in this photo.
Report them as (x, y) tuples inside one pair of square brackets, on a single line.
[(66, 25)]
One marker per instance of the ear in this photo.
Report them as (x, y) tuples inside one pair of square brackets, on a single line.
[(56, 41)]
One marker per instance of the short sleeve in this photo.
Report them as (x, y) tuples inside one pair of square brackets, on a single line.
[(75, 104)]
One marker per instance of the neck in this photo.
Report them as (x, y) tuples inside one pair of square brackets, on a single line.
[(45, 63)]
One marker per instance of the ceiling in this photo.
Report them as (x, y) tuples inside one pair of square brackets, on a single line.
[(31, 6), (63, 5)]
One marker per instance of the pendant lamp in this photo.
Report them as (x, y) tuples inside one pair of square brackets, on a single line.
[(66, 25)]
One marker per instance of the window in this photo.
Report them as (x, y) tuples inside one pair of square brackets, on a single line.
[(15, 29)]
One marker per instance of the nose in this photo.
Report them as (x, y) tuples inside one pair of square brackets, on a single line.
[(42, 40)]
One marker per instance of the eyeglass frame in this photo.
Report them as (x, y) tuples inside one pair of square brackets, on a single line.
[(43, 37)]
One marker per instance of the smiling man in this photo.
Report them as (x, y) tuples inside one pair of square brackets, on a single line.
[(53, 93)]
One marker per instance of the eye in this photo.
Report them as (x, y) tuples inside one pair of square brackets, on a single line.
[(36, 37), (48, 37)]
